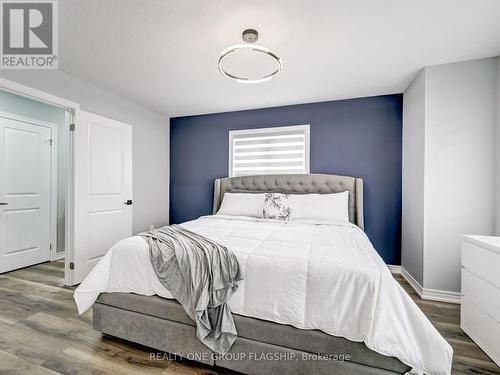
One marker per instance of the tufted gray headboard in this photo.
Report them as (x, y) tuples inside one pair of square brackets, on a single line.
[(299, 184)]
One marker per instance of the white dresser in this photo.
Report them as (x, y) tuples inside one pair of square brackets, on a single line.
[(480, 309)]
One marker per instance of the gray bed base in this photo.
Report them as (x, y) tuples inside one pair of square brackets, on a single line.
[(262, 347)]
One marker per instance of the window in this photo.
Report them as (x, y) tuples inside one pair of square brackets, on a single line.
[(280, 150)]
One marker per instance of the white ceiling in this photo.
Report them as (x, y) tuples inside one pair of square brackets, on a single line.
[(163, 53)]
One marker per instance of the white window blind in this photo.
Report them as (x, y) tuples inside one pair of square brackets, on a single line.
[(279, 150)]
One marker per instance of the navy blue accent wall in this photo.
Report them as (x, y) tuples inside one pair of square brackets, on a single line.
[(357, 137)]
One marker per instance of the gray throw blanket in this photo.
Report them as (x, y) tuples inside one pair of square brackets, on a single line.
[(201, 275)]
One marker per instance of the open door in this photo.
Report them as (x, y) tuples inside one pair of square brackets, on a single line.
[(102, 190), (25, 192)]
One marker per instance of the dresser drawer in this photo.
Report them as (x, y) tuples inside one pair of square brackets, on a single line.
[(481, 262), (484, 295), (481, 328)]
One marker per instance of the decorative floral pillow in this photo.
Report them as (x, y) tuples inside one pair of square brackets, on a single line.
[(276, 207)]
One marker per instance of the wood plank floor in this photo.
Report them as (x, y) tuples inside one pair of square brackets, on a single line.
[(41, 333)]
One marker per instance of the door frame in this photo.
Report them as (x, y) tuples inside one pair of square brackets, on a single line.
[(73, 108), (53, 175)]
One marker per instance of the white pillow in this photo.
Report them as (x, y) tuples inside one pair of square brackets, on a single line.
[(242, 204), (277, 207), (333, 206)]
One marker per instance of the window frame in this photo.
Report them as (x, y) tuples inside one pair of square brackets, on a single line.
[(275, 129)]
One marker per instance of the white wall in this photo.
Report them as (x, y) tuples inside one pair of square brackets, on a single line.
[(150, 137), (497, 166), (412, 235), (459, 165), (454, 108)]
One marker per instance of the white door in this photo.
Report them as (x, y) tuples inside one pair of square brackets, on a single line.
[(25, 181), (103, 189)]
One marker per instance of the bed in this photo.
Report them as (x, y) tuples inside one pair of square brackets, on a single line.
[(317, 298)]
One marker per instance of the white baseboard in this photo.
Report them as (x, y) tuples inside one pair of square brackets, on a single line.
[(413, 283), (442, 296), (430, 294), (394, 269), (58, 256), (425, 293)]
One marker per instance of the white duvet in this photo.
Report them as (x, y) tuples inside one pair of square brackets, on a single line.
[(322, 276)]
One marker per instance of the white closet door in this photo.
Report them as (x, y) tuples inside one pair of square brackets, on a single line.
[(103, 189), (25, 175)]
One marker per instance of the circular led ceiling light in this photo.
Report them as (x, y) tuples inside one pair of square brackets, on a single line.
[(249, 63)]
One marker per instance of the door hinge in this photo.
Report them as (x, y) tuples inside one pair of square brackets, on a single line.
[(71, 127), (71, 265), (51, 141), (50, 246)]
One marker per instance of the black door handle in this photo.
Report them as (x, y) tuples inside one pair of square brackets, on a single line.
[(3, 204), (128, 202)]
